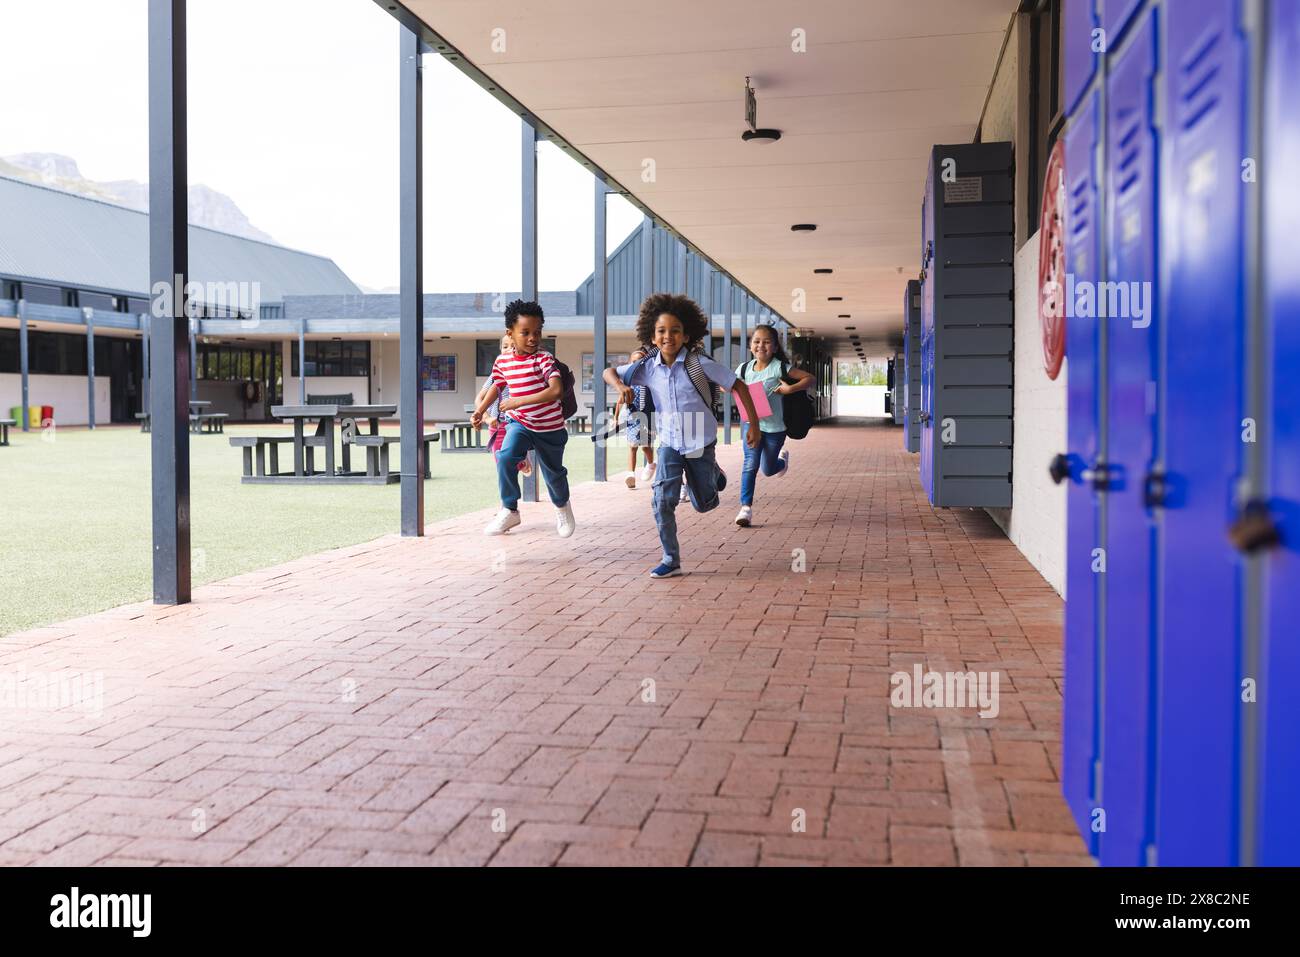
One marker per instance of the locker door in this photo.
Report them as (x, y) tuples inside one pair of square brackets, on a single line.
[(1202, 208), (927, 339), (1277, 827), (1083, 260), (1078, 20), (1128, 663)]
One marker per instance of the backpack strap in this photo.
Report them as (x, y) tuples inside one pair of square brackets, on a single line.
[(694, 372)]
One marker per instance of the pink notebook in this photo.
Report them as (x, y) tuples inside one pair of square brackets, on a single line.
[(759, 394)]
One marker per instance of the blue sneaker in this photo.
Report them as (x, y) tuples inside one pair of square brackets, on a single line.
[(665, 571)]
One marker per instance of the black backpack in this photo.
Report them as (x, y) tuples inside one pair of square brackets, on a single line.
[(568, 401), (796, 408)]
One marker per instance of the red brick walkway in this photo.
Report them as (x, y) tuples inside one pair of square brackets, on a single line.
[(530, 700)]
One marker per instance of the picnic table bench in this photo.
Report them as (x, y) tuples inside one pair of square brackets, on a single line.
[(460, 437), (212, 423), (4, 430)]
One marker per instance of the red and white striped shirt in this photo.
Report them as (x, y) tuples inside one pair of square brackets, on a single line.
[(527, 375)]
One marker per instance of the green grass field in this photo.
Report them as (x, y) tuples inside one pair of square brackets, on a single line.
[(76, 535)]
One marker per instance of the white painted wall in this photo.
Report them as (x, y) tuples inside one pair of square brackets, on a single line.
[(67, 393), (1035, 523)]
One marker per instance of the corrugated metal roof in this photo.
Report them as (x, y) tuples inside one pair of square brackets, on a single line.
[(49, 235)]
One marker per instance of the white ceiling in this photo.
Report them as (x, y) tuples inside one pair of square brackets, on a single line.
[(880, 83)]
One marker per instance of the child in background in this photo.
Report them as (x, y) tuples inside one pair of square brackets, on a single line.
[(684, 424), (768, 366), (639, 435), (495, 423), (536, 420)]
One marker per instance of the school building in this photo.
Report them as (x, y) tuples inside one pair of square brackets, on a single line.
[(1072, 225), (76, 308)]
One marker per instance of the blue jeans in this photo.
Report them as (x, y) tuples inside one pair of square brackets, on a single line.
[(768, 452), (704, 480), (550, 457)]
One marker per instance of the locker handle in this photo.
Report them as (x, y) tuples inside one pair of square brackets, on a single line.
[(1254, 528), (1059, 468), (1099, 477), (1155, 490)]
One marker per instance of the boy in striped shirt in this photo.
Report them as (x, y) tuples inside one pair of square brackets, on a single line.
[(533, 416)]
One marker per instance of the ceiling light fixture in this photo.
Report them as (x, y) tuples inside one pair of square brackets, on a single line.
[(823, 272), (803, 227), (834, 298)]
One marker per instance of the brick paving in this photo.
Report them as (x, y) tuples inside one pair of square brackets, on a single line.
[(529, 700)]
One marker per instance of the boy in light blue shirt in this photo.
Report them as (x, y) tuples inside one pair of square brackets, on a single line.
[(682, 382)]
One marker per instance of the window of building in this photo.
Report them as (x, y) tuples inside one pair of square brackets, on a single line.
[(9, 351), (334, 358), (70, 297), (1040, 99), (588, 372)]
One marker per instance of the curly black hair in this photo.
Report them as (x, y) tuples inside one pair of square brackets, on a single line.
[(694, 323), (522, 307)]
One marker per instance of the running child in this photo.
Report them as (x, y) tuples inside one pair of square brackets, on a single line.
[(768, 366), (495, 422), (676, 376), (639, 435), (536, 420)]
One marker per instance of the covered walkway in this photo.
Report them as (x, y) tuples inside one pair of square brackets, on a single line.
[(530, 700)]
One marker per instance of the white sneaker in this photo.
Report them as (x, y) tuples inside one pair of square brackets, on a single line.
[(647, 473), (504, 521), (744, 516), (631, 480), (564, 523), (785, 457)]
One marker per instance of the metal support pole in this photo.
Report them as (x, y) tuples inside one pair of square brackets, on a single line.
[(145, 374), (647, 257), (22, 358), (599, 305), (683, 286), (726, 361), (528, 198), (746, 303), (411, 280), (302, 361), (169, 265), (90, 369), (708, 308)]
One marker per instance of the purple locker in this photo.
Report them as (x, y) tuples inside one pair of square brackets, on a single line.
[(1131, 190), (1078, 21), (1276, 827), (927, 337), (1203, 205), (1083, 260)]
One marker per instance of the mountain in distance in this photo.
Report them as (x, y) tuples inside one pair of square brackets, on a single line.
[(207, 207)]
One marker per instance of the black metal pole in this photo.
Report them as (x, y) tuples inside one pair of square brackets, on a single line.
[(599, 305), (411, 336), (647, 257), (90, 369), (528, 218), (168, 269), (726, 361), (302, 361), (145, 374), (22, 360)]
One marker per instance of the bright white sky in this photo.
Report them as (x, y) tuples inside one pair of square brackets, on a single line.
[(293, 114)]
